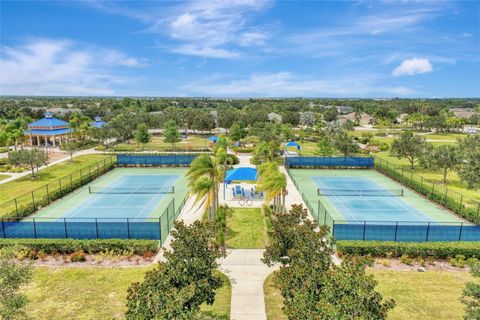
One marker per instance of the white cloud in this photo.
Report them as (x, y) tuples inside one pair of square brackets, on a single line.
[(413, 66), (253, 38), (287, 84), (193, 50), (60, 67)]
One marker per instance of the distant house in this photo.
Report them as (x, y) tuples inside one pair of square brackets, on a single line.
[(344, 109), (274, 117), (464, 113), (365, 119), (401, 118), (60, 111)]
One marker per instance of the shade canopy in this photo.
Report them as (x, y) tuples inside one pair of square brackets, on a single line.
[(243, 174), (213, 138), (293, 144)]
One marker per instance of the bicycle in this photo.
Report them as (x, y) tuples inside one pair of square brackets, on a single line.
[(245, 201)]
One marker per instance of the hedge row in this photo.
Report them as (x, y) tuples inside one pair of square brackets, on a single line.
[(439, 250), (471, 214), (66, 246)]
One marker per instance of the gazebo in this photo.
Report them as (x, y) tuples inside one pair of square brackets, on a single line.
[(48, 130), (213, 139), (98, 123), (241, 174), (292, 144)]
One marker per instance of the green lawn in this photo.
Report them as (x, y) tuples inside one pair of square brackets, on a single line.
[(157, 143), (26, 184), (4, 176), (471, 197), (432, 295), (97, 293), (246, 229)]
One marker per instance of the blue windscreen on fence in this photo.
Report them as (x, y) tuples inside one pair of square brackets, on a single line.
[(360, 162), (405, 231), (152, 159)]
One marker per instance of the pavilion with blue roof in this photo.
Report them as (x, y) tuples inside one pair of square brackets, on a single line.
[(98, 123), (48, 131)]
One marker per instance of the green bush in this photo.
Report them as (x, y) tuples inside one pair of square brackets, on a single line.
[(232, 159), (438, 250), (68, 246)]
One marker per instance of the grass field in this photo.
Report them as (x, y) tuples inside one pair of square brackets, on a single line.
[(246, 229), (157, 143), (432, 295), (4, 176), (97, 293), (26, 184)]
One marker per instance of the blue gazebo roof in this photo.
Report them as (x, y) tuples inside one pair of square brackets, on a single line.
[(98, 123), (245, 174), (293, 144), (213, 138), (48, 122)]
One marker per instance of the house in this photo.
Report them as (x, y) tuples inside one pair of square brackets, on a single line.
[(464, 113), (274, 117), (344, 109), (365, 119)]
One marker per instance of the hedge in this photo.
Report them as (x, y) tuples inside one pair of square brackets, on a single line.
[(439, 250), (66, 246)]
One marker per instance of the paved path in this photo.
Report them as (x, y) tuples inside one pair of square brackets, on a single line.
[(247, 274)]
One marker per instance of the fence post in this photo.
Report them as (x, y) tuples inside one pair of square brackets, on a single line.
[(460, 233), (168, 221), (48, 194), (33, 201), (160, 230), (428, 231), (65, 225), (396, 230), (3, 228), (60, 185), (364, 227), (16, 206), (446, 193), (128, 228), (96, 227), (34, 229)]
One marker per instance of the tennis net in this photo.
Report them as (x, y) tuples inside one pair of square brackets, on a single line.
[(362, 193), (130, 190)]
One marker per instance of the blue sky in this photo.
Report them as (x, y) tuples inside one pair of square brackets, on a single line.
[(243, 48)]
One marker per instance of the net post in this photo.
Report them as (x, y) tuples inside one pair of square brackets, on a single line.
[(173, 189), (403, 192), (89, 189), (34, 229)]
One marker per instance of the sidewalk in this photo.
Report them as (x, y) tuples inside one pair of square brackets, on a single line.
[(247, 274)]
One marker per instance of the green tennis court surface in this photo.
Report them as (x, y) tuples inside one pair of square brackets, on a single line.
[(366, 195), (136, 193)]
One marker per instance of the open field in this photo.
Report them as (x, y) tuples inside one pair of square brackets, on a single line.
[(26, 184), (4, 176), (157, 143), (432, 295), (97, 293), (246, 229)]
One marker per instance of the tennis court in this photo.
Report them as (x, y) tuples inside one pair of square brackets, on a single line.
[(135, 193), (366, 195)]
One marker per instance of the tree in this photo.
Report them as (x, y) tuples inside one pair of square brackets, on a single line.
[(142, 136), (469, 170), (308, 119), (273, 183), (226, 117), (71, 148), (171, 134), (324, 147), (13, 275), (204, 178), (330, 114), (236, 132), (33, 158), (103, 133), (345, 143), (123, 125), (204, 121), (178, 286), (471, 294), (291, 117), (409, 146), (445, 158)]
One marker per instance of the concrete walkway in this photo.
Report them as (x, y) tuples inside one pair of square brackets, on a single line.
[(247, 274)]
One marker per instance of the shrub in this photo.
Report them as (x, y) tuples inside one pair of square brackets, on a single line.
[(78, 256), (67, 246), (406, 260), (437, 250)]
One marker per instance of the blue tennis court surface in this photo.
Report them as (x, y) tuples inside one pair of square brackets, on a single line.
[(123, 205), (367, 207)]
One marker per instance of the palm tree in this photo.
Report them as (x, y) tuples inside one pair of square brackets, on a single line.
[(204, 178), (273, 183)]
